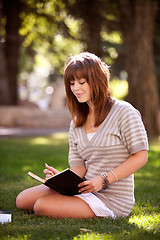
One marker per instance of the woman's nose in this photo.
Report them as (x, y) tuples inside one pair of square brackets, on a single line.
[(76, 86)]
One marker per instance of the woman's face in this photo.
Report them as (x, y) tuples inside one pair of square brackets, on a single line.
[(81, 90)]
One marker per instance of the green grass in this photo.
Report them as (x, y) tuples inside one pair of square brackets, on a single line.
[(18, 155)]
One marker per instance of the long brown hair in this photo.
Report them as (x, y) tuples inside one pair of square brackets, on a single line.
[(90, 67)]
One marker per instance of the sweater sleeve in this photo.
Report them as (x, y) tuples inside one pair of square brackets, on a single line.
[(74, 158), (132, 130)]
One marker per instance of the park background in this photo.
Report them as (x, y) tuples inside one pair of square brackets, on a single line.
[(36, 39)]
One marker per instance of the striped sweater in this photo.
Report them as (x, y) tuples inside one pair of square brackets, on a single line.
[(120, 135)]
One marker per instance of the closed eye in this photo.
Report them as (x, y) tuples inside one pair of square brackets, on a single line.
[(72, 83), (82, 82), (79, 81)]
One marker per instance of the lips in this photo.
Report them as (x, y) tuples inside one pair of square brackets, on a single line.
[(78, 95)]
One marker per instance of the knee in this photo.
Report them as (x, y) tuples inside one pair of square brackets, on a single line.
[(21, 201)]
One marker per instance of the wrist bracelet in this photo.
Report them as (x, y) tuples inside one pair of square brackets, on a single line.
[(114, 176), (105, 183)]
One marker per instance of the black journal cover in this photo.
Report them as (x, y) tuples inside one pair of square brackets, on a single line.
[(65, 182)]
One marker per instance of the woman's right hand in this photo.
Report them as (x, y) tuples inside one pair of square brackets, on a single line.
[(50, 171)]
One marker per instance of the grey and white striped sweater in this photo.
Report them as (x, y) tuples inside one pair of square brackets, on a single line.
[(120, 135)]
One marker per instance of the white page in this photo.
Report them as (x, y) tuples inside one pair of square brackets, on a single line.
[(4, 218)]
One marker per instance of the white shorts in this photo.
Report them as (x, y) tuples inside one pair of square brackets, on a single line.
[(97, 206)]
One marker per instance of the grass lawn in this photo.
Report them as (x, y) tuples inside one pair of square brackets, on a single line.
[(19, 155)]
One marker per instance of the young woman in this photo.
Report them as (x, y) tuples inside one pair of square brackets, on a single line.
[(107, 144)]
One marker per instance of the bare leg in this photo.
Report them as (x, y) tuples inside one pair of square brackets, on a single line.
[(27, 198), (45, 201), (57, 205)]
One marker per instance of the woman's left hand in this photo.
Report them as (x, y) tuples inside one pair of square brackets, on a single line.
[(92, 185)]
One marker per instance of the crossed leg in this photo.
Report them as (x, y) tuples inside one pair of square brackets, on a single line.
[(44, 201)]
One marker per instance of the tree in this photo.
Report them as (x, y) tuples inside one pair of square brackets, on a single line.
[(135, 20), (45, 21), (95, 17), (4, 93), (34, 24), (157, 46), (89, 11), (9, 51), (137, 24)]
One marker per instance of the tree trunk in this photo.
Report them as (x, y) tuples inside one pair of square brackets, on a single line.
[(93, 22), (4, 88), (91, 13), (137, 20), (12, 44)]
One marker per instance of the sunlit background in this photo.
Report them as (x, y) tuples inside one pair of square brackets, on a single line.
[(37, 37), (39, 75)]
